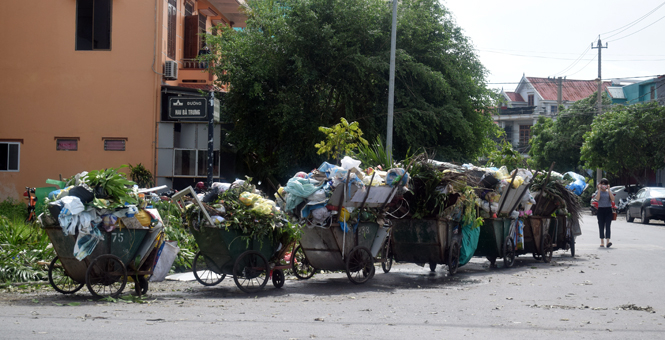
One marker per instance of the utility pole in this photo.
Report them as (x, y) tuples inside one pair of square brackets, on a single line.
[(599, 172), (391, 86)]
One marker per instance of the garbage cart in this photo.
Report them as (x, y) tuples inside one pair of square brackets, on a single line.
[(427, 241), (125, 252), (496, 241)]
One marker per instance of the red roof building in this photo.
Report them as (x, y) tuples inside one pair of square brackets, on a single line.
[(535, 97)]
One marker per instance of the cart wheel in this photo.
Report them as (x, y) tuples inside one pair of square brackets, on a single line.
[(508, 252), (207, 277), (140, 285), (59, 280), (106, 276), (432, 266), (250, 272), (547, 248), (278, 278), (300, 265), (453, 258), (387, 257), (571, 244), (360, 265)]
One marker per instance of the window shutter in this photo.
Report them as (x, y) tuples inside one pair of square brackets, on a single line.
[(191, 37)]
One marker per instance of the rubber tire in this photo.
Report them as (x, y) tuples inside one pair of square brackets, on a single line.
[(204, 281), (67, 284), (240, 270), (278, 278), (547, 248), (96, 273), (360, 261), (629, 218), (453, 258), (303, 263), (645, 220), (387, 256), (509, 253)]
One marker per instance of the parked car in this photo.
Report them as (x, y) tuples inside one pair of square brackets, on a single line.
[(621, 193), (647, 205)]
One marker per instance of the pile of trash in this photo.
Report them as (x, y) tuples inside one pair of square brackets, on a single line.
[(346, 194), (93, 204), (498, 192), (240, 206)]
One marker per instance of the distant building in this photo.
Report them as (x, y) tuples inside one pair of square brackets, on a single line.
[(535, 97), (645, 91)]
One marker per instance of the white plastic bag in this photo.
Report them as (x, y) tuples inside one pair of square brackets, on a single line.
[(165, 261), (348, 163)]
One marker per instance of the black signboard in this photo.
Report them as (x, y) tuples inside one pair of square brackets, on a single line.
[(188, 108)]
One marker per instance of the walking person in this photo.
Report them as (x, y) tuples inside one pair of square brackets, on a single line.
[(605, 201)]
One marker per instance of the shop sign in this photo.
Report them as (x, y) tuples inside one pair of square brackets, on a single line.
[(184, 108)]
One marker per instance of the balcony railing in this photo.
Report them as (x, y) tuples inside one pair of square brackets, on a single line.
[(193, 64)]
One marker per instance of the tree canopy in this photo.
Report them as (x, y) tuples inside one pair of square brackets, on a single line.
[(560, 141), (627, 138), (302, 64)]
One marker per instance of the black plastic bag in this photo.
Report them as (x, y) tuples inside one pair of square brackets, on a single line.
[(82, 193)]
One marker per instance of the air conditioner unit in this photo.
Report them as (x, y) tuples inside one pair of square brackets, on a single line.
[(171, 70)]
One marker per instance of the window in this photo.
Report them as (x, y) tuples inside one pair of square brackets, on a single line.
[(9, 156), (193, 163), (554, 109), (509, 133), (93, 25), (66, 144), (114, 144), (189, 8), (171, 28), (530, 100), (525, 134)]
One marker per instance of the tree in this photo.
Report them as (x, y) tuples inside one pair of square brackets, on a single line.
[(507, 156), (627, 138), (301, 64), (341, 139), (560, 141)]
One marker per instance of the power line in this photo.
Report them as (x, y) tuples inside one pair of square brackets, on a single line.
[(544, 80), (547, 52), (575, 62), (643, 28), (587, 64), (631, 24)]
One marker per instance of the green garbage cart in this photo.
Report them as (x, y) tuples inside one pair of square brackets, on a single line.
[(427, 241), (229, 251), (125, 252), (497, 241)]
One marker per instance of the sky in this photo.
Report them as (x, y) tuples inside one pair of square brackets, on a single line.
[(541, 38)]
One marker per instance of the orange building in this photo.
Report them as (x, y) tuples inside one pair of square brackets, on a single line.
[(90, 84)]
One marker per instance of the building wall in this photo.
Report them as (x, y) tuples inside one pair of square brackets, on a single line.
[(50, 90)]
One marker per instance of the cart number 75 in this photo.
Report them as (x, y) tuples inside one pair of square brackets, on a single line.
[(117, 236)]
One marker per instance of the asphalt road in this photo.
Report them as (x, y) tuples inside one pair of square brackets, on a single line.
[(602, 293)]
